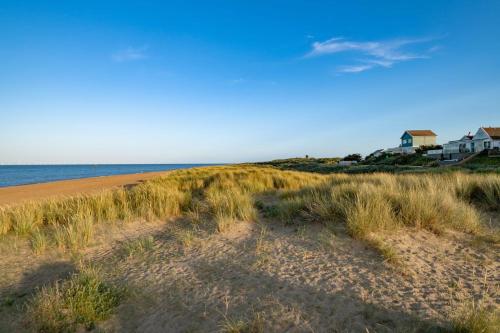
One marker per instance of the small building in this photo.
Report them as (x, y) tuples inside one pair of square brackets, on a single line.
[(417, 138), (485, 138)]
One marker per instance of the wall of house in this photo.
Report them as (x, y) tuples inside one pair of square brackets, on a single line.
[(406, 140), (479, 139), (453, 147), (423, 141)]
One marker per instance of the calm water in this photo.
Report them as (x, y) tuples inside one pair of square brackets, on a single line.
[(30, 174)]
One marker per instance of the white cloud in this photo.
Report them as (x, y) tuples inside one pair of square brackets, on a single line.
[(130, 54), (379, 53), (354, 69)]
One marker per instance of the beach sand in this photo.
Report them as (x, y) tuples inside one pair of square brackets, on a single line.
[(16, 194)]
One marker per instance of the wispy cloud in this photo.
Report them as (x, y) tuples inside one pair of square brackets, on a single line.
[(238, 80), (354, 69), (377, 53), (130, 54)]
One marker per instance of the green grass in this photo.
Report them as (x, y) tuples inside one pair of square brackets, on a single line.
[(414, 163), (79, 302), (138, 246), (397, 159)]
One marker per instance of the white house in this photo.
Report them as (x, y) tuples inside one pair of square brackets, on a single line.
[(485, 138), (463, 145)]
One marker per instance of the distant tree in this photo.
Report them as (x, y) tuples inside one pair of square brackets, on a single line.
[(307, 156), (353, 157)]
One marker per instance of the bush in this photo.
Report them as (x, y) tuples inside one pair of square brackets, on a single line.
[(82, 300)]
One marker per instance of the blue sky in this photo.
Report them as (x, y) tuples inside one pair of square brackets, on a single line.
[(234, 81)]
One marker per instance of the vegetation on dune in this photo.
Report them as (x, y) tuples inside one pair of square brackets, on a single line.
[(367, 206), (390, 163), (475, 317), (223, 195), (81, 301), (397, 159), (308, 164), (138, 246)]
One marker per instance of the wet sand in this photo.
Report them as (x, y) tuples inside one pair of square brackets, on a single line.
[(15, 194)]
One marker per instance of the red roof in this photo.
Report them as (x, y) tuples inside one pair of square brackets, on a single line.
[(421, 133), (493, 132)]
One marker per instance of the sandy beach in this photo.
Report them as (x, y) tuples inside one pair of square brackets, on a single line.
[(11, 195)]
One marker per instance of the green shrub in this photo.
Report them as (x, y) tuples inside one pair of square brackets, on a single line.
[(81, 301)]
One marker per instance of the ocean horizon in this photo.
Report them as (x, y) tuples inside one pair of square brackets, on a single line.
[(13, 175)]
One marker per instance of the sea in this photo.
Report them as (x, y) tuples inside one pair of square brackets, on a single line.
[(11, 175)]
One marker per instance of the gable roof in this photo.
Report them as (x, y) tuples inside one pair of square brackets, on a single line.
[(420, 133), (493, 132)]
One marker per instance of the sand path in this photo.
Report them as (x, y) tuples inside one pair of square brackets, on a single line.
[(295, 282), (281, 278)]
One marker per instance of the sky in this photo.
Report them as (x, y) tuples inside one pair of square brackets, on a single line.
[(236, 81)]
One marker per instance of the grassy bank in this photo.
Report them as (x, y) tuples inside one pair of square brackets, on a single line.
[(366, 204), (415, 163)]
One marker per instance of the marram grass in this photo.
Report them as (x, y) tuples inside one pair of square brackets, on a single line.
[(366, 204), (78, 302)]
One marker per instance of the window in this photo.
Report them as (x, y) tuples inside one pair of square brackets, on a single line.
[(487, 144)]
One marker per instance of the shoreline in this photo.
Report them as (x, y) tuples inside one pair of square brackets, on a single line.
[(15, 194)]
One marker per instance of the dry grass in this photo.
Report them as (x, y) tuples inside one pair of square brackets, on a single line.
[(366, 204), (380, 202), (475, 317), (254, 325)]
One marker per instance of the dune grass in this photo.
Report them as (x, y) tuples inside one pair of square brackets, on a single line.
[(475, 317), (79, 302), (138, 246), (371, 203), (366, 204)]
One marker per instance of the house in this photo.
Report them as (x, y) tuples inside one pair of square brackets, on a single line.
[(485, 138), (417, 138), (461, 146)]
